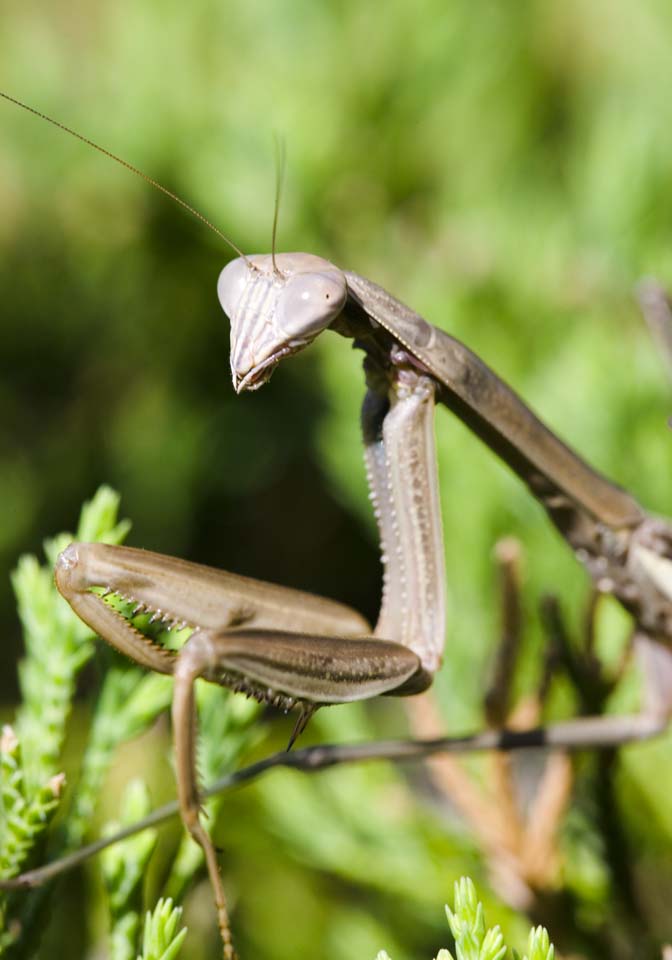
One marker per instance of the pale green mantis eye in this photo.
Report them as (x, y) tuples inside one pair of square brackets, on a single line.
[(231, 284), (306, 301), (309, 302)]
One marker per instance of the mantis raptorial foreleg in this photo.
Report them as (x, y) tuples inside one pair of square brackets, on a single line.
[(264, 640), (293, 650)]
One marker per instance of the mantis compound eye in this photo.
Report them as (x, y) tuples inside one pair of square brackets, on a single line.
[(231, 285), (309, 302)]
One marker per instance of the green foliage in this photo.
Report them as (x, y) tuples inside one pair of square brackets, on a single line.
[(539, 947), (129, 702), (25, 814), (58, 644), (124, 866), (160, 940), (474, 940)]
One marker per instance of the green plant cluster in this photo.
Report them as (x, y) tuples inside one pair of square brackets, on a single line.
[(124, 866), (475, 941), (32, 786)]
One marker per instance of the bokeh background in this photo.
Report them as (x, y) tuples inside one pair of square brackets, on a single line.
[(506, 169)]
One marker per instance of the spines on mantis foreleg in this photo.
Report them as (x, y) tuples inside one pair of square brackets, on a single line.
[(289, 669), (403, 479)]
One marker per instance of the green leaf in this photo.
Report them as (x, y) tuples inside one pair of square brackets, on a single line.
[(160, 941)]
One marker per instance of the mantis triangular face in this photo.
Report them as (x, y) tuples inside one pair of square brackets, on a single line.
[(276, 307)]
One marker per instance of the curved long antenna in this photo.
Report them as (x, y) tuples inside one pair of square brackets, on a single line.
[(129, 166), (280, 157)]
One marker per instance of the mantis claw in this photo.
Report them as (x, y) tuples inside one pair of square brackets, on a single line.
[(302, 721)]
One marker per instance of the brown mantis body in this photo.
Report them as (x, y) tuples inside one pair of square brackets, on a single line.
[(294, 650), (301, 652)]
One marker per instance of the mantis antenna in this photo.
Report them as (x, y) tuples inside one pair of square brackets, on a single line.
[(129, 166), (280, 156)]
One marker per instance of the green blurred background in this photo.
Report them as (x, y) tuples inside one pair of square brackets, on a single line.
[(504, 168)]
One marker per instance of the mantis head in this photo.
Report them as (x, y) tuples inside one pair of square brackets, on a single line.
[(276, 305)]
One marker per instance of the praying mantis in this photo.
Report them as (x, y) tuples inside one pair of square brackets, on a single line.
[(302, 652)]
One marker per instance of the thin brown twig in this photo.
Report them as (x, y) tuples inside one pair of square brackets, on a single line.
[(505, 863), (553, 623), (540, 854), (454, 782), (589, 621), (581, 734), (498, 698)]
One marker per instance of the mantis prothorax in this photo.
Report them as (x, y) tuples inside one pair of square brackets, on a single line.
[(299, 651)]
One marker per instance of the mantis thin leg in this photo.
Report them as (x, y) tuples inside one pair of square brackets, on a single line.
[(184, 730), (657, 310)]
